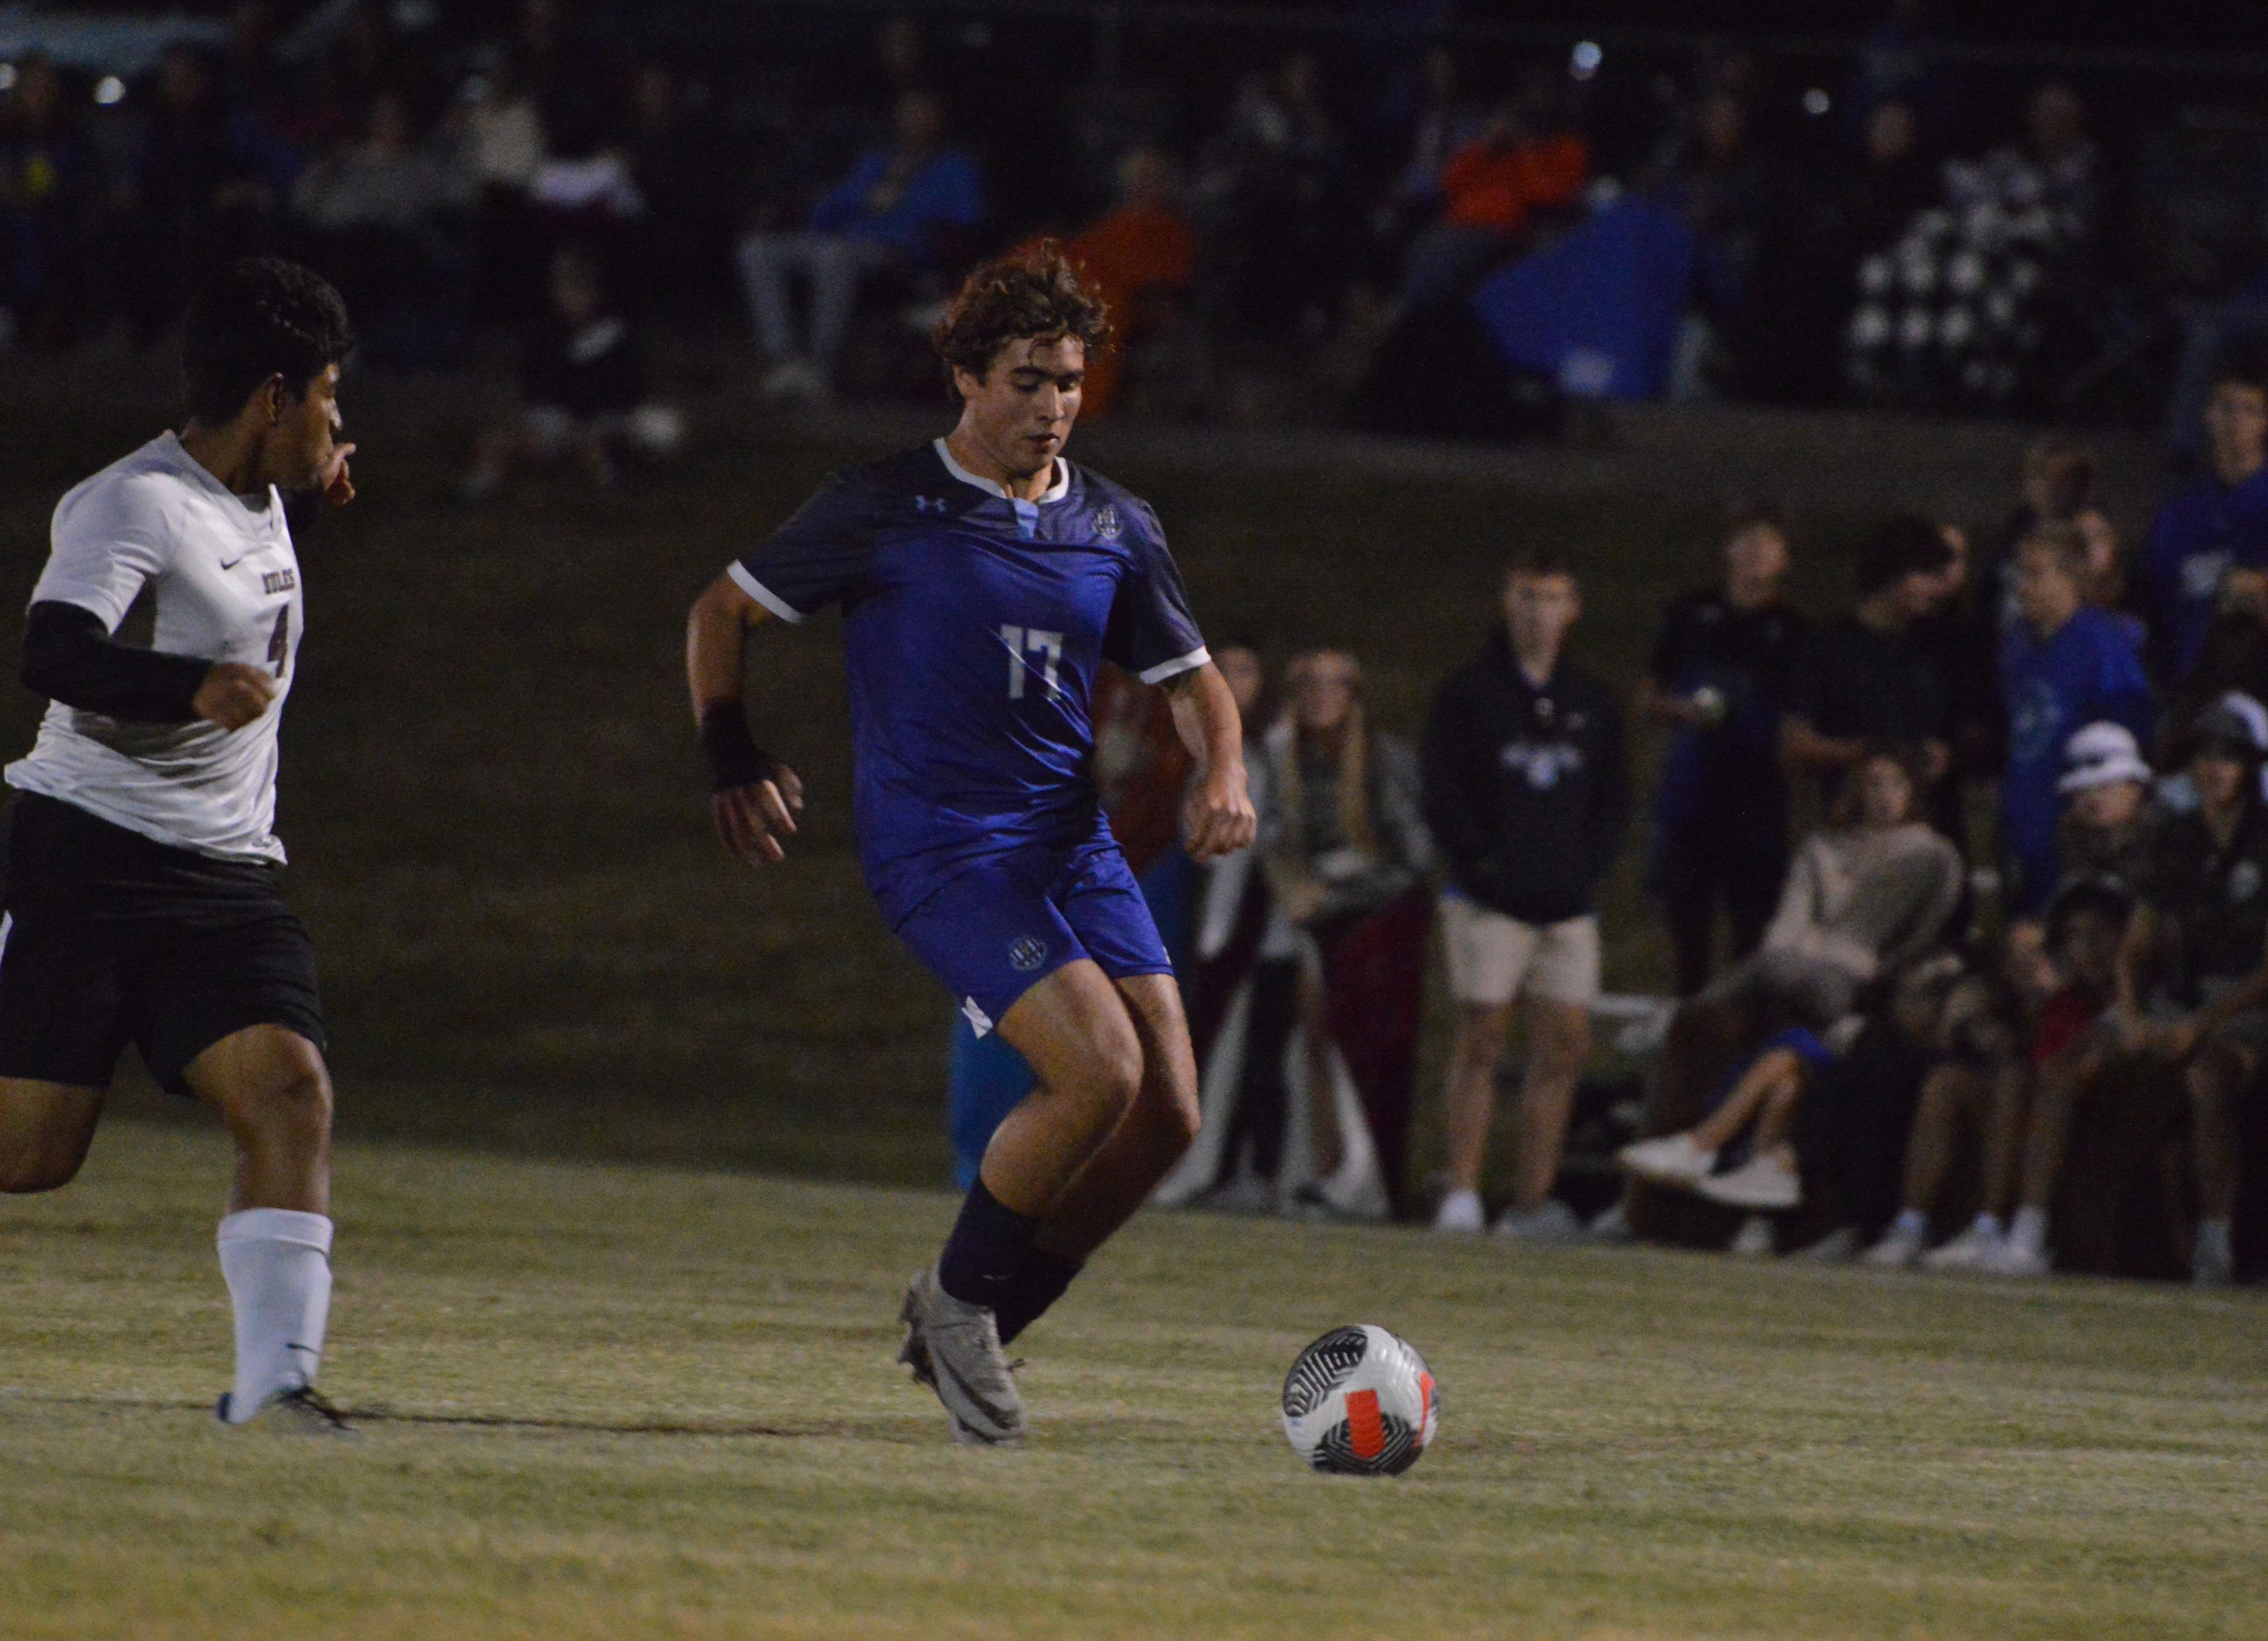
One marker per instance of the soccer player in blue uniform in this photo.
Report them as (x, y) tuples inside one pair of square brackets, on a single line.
[(984, 581)]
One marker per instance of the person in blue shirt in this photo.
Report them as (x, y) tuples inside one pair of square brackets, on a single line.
[(983, 582), (2066, 664), (900, 206), (2217, 524)]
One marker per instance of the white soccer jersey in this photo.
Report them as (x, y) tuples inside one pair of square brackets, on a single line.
[(226, 587)]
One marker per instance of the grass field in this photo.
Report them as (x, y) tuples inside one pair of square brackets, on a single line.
[(612, 1402)]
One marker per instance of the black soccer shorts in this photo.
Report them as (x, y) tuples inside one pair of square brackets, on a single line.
[(111, 937)]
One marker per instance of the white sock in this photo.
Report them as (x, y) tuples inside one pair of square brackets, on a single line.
[(1910, 1226), (2029, 1230), (1987, 1224), (278, 1263)]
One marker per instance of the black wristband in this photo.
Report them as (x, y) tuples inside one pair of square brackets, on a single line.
[(734, 758)]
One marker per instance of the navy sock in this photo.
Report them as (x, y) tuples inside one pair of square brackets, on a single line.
[(989, 1244), (1038, 1283)]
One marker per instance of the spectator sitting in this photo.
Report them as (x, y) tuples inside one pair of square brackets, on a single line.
[(1763, 1095), (901, 207), (2057, 484), (1863, 681), (1526, 158), (1342, 839), (2216, 524), (1140, 259), (1866, 894), (583, 386), (2067, 665), (2193, 991), (1528, 794), (1718, 678), (1984, 1084)]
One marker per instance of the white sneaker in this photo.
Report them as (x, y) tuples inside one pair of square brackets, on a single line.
[(1760, 1184), (1612, 1226), (1460, 1214), (2016, 1258), (1974, 1249), (1753, 1240), (1673, 1160), (1896, 1251), (2212, 1262), (1554, 1224)]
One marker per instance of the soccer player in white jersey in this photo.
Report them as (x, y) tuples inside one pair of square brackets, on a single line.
[(140, 884)]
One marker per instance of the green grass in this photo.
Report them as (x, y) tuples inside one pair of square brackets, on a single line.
[(612, 1401)]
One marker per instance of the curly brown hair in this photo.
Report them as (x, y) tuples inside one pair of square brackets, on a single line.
[(1034, 295)]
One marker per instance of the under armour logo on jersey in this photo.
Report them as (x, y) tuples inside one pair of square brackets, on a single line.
[(929, 503), (1105, 522)]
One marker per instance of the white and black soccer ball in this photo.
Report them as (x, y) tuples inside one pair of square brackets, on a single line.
[(1360, 1402)]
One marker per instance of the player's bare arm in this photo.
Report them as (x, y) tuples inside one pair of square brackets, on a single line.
[(754, 797), (1218, 815)]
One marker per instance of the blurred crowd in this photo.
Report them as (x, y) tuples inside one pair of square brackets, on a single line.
[(1334, 223), (1966, 884)]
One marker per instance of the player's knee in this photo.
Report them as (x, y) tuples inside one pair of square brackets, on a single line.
[(297, 1103), (24, 1170)]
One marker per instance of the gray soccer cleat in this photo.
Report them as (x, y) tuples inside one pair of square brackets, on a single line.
[(953, 1347), (306, 1411)]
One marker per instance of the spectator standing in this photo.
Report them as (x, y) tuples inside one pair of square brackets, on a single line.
[(1863, 679), (1527, 795), (2216, 524), (2068, 665), (902, 206), (1719, 679), (1341, 840)]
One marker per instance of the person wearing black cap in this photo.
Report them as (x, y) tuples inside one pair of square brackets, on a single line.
[(1862, 680), (2192, 986)]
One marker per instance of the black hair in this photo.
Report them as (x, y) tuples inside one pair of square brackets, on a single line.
[(1540, 559), (1747, 512), (2244, 361), (1905, 545), (259, 317)]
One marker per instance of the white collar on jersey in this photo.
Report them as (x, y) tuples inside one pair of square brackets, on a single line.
[(1056, 491)]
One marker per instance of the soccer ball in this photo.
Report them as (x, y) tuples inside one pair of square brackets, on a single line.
[(1360, 1401)]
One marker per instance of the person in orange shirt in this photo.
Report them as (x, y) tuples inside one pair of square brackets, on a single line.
[(1528, 158), (1139, 257)]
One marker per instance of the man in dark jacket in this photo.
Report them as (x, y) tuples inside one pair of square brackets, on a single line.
[(1528, 794)]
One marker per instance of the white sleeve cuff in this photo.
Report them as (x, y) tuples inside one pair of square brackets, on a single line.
[(763, 594), (1164, 670)]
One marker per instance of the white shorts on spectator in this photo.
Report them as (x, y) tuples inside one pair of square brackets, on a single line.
[(1493, 958)]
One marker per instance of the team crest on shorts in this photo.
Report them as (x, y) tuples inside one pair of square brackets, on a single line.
[(1028, 953), (1105, 522)]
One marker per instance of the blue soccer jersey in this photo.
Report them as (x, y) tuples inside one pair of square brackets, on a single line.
[(973, 626)]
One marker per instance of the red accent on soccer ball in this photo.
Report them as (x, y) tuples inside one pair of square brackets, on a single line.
[(1365, 1428), (1425, 1409)]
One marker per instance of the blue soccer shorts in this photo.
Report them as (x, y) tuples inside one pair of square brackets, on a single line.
[(997, 929)]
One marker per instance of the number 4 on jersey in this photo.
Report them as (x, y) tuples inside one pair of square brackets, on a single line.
[(279, 643), (1030, 640)]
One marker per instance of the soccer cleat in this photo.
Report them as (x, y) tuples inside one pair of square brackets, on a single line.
[(1760, 1184), (1974, 1249), (1673, 1160), (953, 1347), (306, 1411)]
